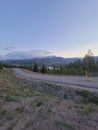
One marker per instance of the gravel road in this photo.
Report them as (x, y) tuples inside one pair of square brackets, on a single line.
[(91, 83)]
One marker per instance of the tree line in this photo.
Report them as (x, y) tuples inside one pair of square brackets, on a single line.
[(88, 63)]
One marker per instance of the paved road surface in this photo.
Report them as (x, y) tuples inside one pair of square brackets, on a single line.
[(71, 80)]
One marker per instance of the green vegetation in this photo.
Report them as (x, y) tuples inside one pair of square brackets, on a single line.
[(90, 108), (11, 99), (9, 116), (35, 68), (1, 66), (65, 96), (39, 103), (2, 113), (20, 109), (83, 92), (24, 91), (64, 124), (87, 96), (77, 67), (43, 69), (93, 99), (11, 127)]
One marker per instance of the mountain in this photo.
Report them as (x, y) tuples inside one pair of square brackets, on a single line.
[(50, 60)]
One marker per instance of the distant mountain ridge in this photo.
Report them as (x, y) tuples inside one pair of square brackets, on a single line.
[(50, 60)]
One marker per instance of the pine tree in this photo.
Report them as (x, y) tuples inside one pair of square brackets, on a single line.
[(35, 68), (43, 69)]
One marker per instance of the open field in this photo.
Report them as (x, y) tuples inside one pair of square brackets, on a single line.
[(36, 105)]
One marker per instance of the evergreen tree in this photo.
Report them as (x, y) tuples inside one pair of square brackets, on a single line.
[(43, 69), (1, 67), (35, 67), (89, 61)]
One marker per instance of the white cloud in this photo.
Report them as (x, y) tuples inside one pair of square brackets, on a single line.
[(26, 55), (39, 52), (8, 52), (4, 48)]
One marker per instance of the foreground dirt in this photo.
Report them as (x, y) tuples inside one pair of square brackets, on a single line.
[(34, 105)]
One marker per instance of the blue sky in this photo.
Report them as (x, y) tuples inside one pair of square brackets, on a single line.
[(66, 28)]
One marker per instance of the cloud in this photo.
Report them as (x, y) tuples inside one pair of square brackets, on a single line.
[(5, 48), (8, 52), (40, 52), (18, 55), (27, 54)]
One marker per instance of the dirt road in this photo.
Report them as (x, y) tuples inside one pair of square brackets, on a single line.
[(91, 83)]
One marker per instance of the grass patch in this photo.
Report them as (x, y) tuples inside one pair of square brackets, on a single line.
[(25, 91), (88, 96), (93, 99), (90, 108), (6, 114), (23, 87), (20, 109), (86, 110), (28, 94), (3, 113), (9, 116), (83, 92), (10, 127), (66, 125), (17, 94), (11, 99)]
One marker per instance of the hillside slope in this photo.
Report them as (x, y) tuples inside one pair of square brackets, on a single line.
[(26, 105)]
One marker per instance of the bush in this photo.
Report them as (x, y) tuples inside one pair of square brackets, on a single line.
[(90, 108), (83, 93), (39, 103), (93, 99), (88, 97), (65, 96)]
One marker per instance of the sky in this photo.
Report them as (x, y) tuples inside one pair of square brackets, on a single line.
[(66, 28)]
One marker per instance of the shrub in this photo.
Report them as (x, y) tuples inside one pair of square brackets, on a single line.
[(39, 103), (83, 93), (93, 99), (90, 108), (65, 96)]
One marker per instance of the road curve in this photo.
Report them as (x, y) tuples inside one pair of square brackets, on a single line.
[(92, 82)]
